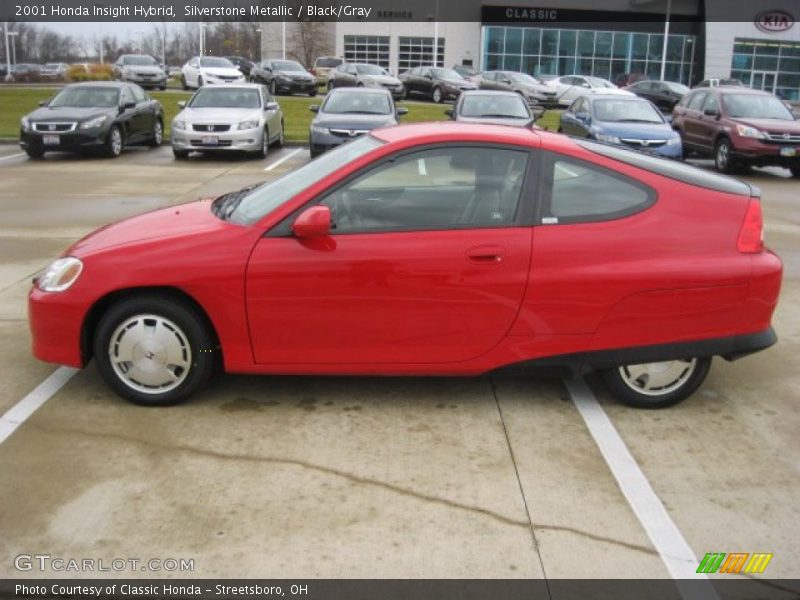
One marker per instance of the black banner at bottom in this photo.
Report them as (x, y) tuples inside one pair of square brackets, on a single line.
[(401, 589)]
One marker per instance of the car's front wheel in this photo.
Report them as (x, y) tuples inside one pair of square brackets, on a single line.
[(658, 384), (437, 95), (723, 159), (157, 136), (34, 152), (114, 142), (153, 350)]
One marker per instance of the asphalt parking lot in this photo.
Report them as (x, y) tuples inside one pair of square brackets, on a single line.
[(370, 477)]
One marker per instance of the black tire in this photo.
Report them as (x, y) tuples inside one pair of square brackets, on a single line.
[(312, 94), (795, 172), (183, 83), (180, 154), (625, 393), (273, 88), (723, 159), (404, 93), (34, 153), (436, 95), (192, 330), (281, 138), (314, 153), (157, 137), (263, 152), (113, 146), (199, 81), (329, 86)]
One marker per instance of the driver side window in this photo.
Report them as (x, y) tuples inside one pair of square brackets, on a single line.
[(442, 188)]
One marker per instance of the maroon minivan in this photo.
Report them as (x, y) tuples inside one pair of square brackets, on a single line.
[(739, 127)]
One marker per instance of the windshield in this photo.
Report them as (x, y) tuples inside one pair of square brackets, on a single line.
[(445, 74), (626, 111), (489, 105), (220, 63), (678, 88), (522, 78), (328, 63), (265, 198), (756, 107), (287, 65), (87, 97), (216, 97), (600, 83), (370, 70), (51, 66), (361, 103), (139, 60)]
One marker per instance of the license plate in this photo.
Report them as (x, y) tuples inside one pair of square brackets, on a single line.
[(51, 140), (210, 140), (788, 151)]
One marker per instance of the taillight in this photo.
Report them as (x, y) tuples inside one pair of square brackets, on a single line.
[(751, 235)]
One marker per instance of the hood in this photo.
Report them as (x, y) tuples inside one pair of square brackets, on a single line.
[(222, 71), (460, 83), (771, 125), (382, 79), (185, 220), (643, 131), (68, 113), (335, 121), (295, 75), (152, 69), (497, 121), (612, 91), (218, 115), (540, 88)]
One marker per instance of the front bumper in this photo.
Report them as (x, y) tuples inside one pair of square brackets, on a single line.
[(146, 81), (55, 323), (246, 140), (762, 154), (296, 87), (80, 139)]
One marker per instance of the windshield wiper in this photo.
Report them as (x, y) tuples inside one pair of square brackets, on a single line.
[(224, 206), (502, 116), (360, 112), (636, 121)]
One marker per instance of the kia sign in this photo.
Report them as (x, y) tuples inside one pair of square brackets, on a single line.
[(774, 21)]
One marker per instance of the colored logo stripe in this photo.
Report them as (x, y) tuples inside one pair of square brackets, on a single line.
[(752, 563)]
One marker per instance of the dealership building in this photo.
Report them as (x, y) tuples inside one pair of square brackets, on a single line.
[(761, 47)]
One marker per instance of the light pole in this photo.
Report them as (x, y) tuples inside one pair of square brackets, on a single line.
[(203, 39), (283, 28), (258, 31), (13, 35), (8, 77), (140, 33), (666, 36)]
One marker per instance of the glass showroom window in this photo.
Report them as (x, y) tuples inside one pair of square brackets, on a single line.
[(771, 65), (418, 52), (607, 54), (373, 49)]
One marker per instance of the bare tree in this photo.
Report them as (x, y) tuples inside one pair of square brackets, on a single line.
[(307, 42)]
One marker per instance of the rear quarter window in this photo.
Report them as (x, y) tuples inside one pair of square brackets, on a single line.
[(578, 191)]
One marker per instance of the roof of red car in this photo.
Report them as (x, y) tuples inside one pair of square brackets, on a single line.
[(455, 132)]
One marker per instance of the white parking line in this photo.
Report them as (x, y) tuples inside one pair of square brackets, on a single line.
[(667, 539), (284, 159), (23, 409), (10, 156)]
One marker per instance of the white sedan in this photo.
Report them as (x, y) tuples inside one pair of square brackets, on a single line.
[(570, 87), (209, 70)]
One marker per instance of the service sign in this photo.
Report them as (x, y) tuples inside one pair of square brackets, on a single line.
[(774, 21)]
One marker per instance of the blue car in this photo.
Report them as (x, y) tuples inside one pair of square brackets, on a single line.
[(626, 121)]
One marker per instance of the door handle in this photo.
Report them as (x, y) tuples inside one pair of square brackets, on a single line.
[(486, 254)]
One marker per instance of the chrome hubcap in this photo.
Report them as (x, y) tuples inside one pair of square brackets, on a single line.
[(437, 95), (722, 155), (158, 133), (150, 354), (659, 378), (116, 141)]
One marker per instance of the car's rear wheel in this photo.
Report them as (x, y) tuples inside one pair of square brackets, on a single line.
[(658, 384), (184, 85), (437, 95), (723, 156), (154, 351), (114, 142), (158, 134)]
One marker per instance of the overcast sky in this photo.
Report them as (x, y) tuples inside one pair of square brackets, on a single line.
[(89, 29)]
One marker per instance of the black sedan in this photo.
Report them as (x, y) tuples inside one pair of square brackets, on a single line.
[(435, 83), (664, 94), (98, 115), (493, 107), (284, 77), (241, 63)]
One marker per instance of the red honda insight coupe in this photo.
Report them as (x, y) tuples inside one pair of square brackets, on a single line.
[(430, 249)]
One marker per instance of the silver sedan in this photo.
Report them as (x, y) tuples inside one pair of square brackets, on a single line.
[(232, 118)]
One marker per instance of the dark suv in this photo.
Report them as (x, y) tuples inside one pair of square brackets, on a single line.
[(738, 127)]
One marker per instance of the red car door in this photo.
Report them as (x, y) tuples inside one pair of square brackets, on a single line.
[(428, 263)]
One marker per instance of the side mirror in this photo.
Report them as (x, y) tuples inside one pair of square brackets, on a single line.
[(428, 76), (128, 105), (313, 222), (450, 113), (710, 112), (314, 108), (271, 106), (668, 119), (182, 104), (401, 110)]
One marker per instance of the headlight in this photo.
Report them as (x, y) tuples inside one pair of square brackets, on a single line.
[(92, 123), (251, 124), (25, 124), (319, 129), (609, 139), (751, 132), (179, 125), (60, 275), (674, 141)]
